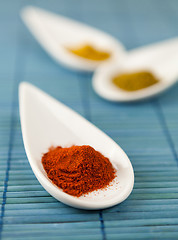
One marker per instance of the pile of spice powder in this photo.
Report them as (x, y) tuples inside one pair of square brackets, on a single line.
[(134, 81), (89, 52), (78, 169)]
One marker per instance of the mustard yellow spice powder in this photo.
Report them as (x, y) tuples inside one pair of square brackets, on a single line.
[(89, 52), (134, 81)]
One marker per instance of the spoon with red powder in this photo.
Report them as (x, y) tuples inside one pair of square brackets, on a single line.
[(73, 160)]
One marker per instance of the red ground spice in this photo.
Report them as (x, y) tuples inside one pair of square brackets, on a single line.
[(78, 169)]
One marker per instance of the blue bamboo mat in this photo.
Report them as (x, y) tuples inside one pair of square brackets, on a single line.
[(147, 131)]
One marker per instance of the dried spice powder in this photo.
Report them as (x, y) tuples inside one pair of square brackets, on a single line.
[(134, 81), (78, 169), (89, 52)]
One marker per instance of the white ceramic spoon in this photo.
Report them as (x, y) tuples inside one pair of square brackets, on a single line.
[(55, 33), (46, 122), (161, 59)]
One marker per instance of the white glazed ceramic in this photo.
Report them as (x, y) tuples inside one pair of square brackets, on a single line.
[(161, 59), (46, 122), (55, 33)]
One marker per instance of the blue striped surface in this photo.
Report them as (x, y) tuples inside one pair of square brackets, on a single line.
[(147, 131)]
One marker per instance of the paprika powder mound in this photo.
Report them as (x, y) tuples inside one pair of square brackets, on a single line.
[(78, 170)]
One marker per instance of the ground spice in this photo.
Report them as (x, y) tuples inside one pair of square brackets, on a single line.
[(78, 169), (89, 52), (134, 81)]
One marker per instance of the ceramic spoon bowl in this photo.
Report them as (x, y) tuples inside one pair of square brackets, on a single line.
[(56, 33), (46, 122), (161, 59)]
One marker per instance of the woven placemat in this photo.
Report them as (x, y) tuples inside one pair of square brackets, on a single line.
[(147, 131)]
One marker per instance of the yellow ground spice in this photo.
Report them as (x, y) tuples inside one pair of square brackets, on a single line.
[(89, 52), (134, 81)]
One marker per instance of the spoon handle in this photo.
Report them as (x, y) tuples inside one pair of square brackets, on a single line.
[(169, 67), (154, 51)]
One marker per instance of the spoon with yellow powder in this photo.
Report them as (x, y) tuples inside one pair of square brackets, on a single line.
[(74, 44), (145, 72)]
